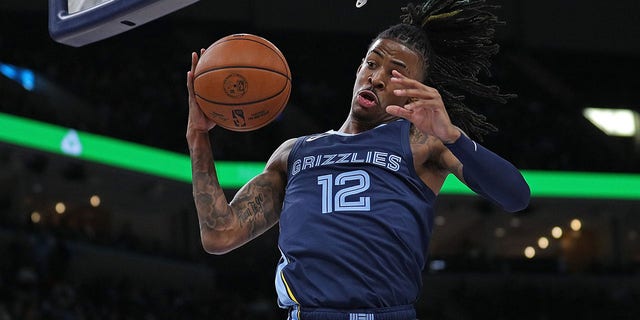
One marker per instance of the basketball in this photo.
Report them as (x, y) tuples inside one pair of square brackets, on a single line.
[(242, 82)]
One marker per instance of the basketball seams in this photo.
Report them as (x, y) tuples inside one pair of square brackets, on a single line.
[(287, 84), (242, 66), (276, 82), (268, 45), (276, 114)]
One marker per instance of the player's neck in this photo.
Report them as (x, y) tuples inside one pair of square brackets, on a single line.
[(354, 126)]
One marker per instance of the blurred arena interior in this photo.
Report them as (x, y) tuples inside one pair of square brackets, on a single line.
[(85, 240)]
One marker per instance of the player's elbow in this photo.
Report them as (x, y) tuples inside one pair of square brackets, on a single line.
[(516, 206), (214, 249), (519, 199), (216, 246)]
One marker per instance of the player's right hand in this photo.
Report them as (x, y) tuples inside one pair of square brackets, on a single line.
[(197, 122), (425, 109)]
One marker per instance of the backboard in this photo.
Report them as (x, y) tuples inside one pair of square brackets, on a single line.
[(80, 22)]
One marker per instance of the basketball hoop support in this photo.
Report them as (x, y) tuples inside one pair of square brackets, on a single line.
[(106, 19)]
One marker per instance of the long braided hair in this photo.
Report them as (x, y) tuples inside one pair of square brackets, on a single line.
[(456, 41)]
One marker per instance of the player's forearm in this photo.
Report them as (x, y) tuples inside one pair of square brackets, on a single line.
[(214, 213), (490, 175), (200, 152)]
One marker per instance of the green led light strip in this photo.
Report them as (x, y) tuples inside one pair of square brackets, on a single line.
[(234, 174), (55, 139)]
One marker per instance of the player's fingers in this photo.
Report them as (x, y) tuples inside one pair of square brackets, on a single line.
[(417, 93), (190, 82), (194, 61), (397, 74), (408, 83), (399, 111), (412, 88), (404, 80), (419, 105), (191, 73)]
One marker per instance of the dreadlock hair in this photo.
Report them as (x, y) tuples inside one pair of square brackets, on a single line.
[(455, 40)]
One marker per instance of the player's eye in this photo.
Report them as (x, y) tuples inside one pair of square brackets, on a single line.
[(371, 64)]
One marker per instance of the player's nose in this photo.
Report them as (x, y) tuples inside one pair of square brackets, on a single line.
[(377, 81)]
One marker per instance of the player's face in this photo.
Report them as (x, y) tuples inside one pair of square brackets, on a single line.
[(373, 90)]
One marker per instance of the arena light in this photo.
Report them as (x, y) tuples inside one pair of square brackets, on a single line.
[(23, 76), (614, 122), (233, 174)]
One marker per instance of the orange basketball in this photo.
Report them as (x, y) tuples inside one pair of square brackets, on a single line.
[(242, 82)]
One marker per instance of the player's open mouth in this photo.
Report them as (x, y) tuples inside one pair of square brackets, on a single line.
[(367, 98)]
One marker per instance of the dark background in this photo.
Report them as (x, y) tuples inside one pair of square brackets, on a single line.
[(138, 255)]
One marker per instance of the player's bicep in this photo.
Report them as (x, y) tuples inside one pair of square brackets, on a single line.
[(258, 204)]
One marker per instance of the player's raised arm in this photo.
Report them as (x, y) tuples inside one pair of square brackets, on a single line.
[(485, 172), (226, 225), (254, 209)]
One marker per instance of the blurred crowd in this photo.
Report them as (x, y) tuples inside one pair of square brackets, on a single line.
[(35, 284)]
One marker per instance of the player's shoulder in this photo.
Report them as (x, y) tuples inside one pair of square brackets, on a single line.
[(280, 156), (287, 145)]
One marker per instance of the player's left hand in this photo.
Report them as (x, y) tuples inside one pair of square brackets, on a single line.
[(425, 109)]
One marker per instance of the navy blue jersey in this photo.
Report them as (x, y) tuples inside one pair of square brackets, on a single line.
[(356, 222)]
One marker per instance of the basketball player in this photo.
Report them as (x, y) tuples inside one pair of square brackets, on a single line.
[(355, 206)]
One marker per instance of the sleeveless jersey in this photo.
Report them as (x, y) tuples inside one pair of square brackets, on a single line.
[(355, 223)]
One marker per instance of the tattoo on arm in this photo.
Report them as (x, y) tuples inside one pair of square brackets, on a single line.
[(211, 203), (209, 198), (254, 209), (257, 206)]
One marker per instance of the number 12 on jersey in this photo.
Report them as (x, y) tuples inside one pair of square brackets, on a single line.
[(336, 200)]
